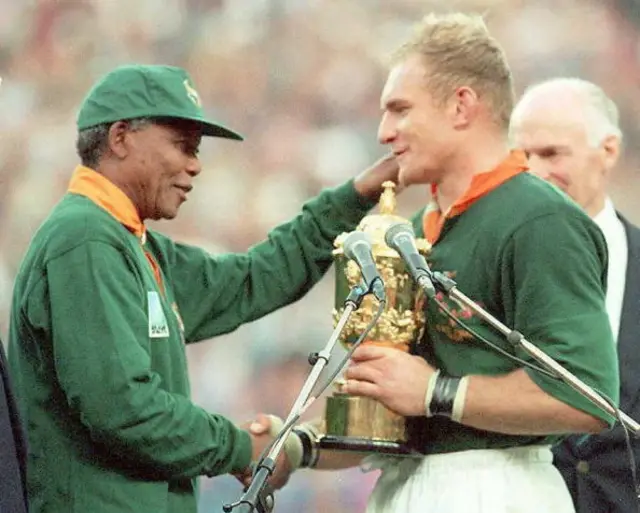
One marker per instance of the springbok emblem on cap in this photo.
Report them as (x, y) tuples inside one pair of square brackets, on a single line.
[(192, 93)]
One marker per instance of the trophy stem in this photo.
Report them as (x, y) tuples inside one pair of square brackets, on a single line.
[(321, 359)]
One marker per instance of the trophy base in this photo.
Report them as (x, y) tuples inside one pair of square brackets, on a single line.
[(360, 420), (365, 445)]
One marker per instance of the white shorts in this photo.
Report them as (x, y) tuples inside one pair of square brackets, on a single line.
[(514, 480)]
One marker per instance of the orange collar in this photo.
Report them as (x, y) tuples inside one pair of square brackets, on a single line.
[(481, 184), (108, 196)]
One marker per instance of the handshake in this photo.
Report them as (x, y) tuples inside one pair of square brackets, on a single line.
[(300, 448), (399, 380)]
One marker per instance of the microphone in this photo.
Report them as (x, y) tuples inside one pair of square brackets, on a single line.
[(400, 236), (357, 247)]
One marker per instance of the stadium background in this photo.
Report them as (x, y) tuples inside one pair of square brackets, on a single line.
[(301, 79)]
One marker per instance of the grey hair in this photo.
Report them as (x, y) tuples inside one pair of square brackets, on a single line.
[(602, 114), (92, 142)]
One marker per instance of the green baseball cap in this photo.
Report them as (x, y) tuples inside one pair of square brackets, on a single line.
[(136, 91)]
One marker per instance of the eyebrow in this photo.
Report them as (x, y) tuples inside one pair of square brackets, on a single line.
[(548, 147), (186, 134), (180, 128), (180, 133), (394, 104)]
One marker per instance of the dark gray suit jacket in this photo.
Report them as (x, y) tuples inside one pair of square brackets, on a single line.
[(13, 449), (597, 467)]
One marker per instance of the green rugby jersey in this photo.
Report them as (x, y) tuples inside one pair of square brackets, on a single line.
[(527, 254)]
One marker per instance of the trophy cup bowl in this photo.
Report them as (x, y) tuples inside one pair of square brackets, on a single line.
[(359, 423)]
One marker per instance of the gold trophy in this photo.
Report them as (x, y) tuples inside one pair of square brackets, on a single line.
[(360, 423)]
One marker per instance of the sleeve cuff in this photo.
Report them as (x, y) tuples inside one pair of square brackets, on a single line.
[(243, 454), (566, 394), (351, 203)]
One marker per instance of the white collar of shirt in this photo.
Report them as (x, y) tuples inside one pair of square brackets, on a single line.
[(616, 238), (607, 219)]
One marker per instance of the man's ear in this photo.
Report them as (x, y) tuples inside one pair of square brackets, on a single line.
[(117, 139), (610, 149), (464, 106)]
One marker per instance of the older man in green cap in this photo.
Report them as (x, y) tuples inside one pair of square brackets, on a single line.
[(103, 306)]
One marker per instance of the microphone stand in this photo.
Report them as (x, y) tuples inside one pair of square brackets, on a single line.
[(449, 288), (256, 498)]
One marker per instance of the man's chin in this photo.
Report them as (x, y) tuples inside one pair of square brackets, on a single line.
[(166, 214), (407, 177), (170, 215)]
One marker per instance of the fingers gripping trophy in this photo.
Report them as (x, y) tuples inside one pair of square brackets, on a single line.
[(359, 423)]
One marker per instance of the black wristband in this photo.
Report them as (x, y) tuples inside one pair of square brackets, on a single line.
[(444, 394), (307, 448)]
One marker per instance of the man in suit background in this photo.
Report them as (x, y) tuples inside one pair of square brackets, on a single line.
[(13, 452), (569, 129)]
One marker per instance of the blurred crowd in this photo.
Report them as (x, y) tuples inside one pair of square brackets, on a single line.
[(301, 80)]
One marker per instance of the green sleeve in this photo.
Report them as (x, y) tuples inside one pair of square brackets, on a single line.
[(553, 280), (103, 365), (216, 294)]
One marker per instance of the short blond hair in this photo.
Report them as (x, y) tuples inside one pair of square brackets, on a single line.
[(458, 50)]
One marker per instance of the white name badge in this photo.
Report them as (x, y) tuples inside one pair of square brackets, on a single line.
[(158, 327)]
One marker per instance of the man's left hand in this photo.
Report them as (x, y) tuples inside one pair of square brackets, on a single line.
[(395, 378)]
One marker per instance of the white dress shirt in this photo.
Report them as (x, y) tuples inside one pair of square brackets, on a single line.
[(616, 238)]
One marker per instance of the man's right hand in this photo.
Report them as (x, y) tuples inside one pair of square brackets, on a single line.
[(369, 182), (262, 431)]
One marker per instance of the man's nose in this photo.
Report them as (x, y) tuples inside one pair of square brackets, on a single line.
[(194, 167), (386, 130)]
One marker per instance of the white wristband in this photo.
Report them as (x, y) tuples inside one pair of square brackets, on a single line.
[(458, 402), (292, 446), (429, 393)]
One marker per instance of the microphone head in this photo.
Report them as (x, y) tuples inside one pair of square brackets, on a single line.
[(353, 240), (400, 228)]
